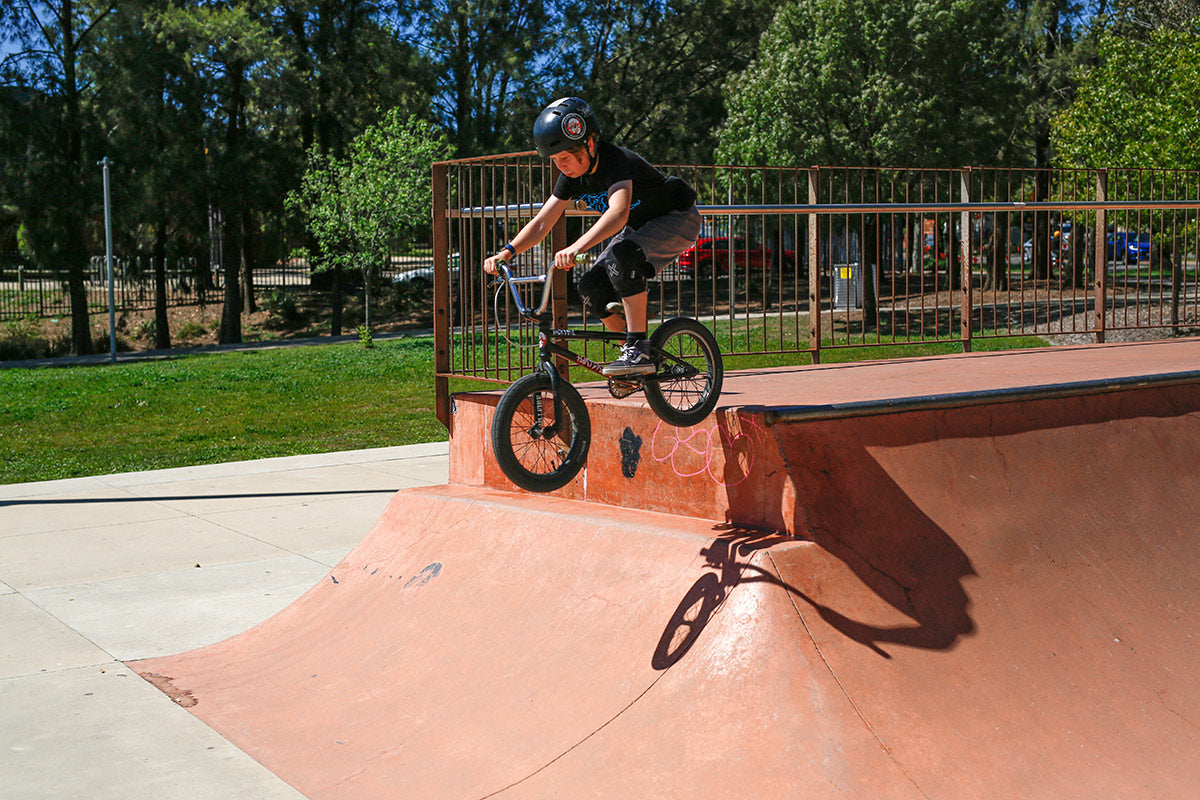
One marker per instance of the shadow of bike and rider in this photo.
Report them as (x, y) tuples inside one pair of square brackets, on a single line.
[(873, 541)]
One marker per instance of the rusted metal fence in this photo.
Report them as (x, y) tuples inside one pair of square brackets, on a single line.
[(806, 260)]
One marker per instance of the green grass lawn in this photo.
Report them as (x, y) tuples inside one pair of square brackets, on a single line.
[(68, 422), (92, 420)]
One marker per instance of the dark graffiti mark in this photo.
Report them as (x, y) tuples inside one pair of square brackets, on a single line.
[(415, 582), (424, 576), (631, 452)]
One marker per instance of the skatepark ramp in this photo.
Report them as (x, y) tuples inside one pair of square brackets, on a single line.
[(985, 601)]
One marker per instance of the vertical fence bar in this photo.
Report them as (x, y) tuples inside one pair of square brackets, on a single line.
[(814, 274), (441, 295), (1173, 255), (558, 240), (1100, 256), (968, 297)]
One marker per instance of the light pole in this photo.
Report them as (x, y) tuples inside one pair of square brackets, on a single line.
[(112, 316)]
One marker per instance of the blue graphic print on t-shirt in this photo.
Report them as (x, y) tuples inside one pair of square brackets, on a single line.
[(599, 202)]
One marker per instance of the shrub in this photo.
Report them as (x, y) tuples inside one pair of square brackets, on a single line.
[(190, 330), (284, 308), (22, 339)]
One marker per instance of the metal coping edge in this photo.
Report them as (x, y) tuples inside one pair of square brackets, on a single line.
[(860, 408)]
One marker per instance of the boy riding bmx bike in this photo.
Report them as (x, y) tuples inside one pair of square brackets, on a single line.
[(650, 217)]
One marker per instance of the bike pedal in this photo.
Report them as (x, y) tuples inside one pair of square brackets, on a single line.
[(619, 389)]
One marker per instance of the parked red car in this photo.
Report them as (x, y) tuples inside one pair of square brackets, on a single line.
[(708, 254)]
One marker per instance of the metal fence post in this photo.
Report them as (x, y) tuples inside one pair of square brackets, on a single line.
[(814, 277), (1100, 256), (968, 298), (441, 295), (558, 302)]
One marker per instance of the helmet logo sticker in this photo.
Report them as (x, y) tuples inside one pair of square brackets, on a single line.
[(573, 126)]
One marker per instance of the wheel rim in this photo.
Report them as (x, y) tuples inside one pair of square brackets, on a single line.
[(536, 454), (686, 393)]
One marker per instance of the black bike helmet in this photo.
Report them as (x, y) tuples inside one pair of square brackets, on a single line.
[(562, 125)]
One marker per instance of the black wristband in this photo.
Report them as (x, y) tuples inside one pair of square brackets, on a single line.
[(509, 248)]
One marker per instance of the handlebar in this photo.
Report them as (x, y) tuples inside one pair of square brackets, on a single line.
[(506, 278)]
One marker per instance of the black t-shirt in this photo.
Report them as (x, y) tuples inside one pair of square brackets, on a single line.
[(654, 194)]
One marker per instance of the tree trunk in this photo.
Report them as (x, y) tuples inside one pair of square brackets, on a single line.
[(162, 330), (75, 249), (231, 313), (81, 323), (232, 206), (249, 250), (1041, 221), (869, 256), (953, 259)]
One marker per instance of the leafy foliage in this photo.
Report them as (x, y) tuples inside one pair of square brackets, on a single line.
[(657, 71), (488, 59), (380, 193), (874, 82), (1139, 106)]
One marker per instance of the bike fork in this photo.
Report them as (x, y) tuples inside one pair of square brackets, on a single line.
[(555, 378)]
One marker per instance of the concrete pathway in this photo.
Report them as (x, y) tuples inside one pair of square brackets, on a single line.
[(97, 571)]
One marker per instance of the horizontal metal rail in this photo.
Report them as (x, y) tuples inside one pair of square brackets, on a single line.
[(861, 408), (530, 209)]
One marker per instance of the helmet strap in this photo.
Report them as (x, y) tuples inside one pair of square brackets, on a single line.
[(592, 162)]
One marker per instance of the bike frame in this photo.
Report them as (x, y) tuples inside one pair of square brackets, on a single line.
[(549, 349)]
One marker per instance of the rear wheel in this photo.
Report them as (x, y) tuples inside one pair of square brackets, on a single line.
[(687, 385), (538, 451)]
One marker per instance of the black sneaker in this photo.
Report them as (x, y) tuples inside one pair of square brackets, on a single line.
[(634, 360)]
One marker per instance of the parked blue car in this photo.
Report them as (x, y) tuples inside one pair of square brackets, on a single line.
[(1128, 247)]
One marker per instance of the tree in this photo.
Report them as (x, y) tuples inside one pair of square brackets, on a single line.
[(1128, 16), (58, 178), (874, 82), (154, 114), (488, 58), (380, 193), (230, 48), (1050, 43), (345, 63), (1139, 106), (657, 71)]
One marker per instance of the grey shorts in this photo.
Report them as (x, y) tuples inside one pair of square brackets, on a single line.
[(663, 238)]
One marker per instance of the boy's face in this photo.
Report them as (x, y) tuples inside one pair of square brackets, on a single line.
[(572, 163)]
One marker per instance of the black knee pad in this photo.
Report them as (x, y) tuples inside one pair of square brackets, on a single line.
[(627, 268), (597, 290)]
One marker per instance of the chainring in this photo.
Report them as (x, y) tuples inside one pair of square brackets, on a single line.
[(619, 389)]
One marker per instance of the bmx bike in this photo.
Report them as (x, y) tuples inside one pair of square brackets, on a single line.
[(541, 430)]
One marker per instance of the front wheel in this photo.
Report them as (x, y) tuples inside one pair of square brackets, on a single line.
[(687, 385), (538, 451)]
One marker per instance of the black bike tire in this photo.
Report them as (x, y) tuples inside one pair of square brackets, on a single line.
[(506, 450), (660, 400)]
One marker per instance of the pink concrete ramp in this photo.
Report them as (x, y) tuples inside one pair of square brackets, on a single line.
[(988, 602), (480, 644)]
